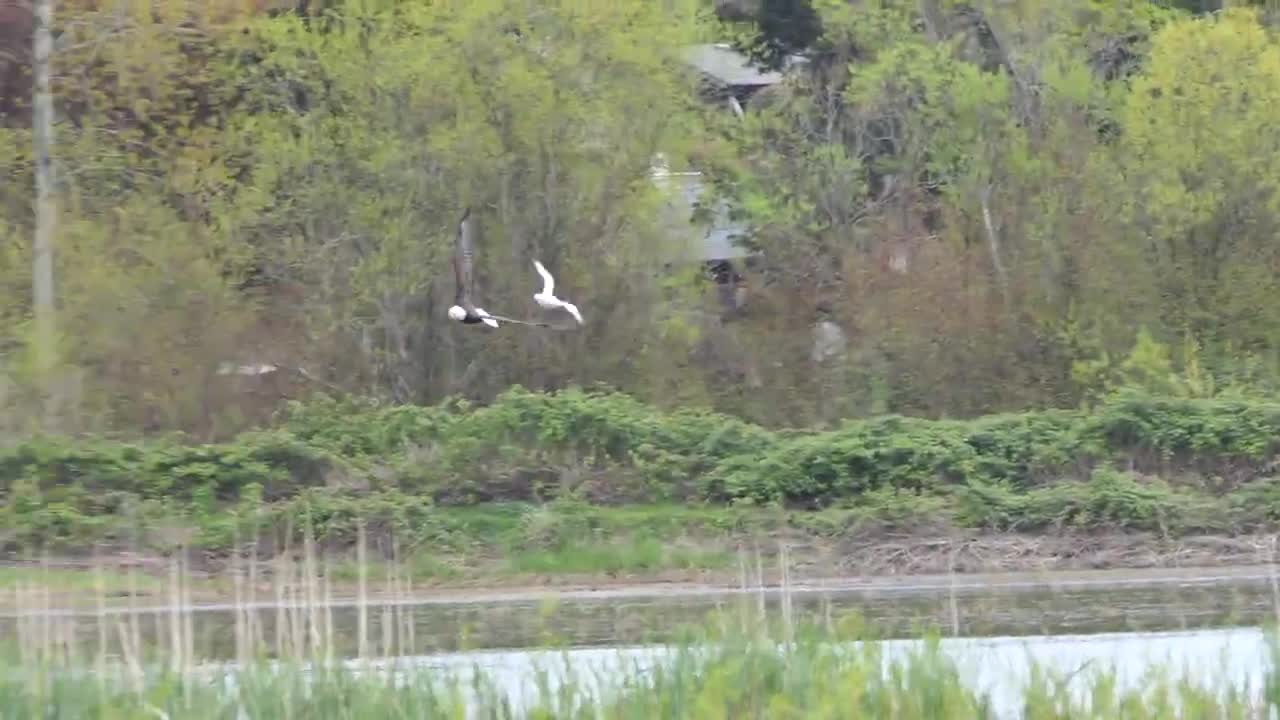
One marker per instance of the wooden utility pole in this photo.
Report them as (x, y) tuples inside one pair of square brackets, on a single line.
[(42, 146)]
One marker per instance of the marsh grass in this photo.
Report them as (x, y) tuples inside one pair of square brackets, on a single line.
[(716, 676), (740, 663), (646, 554)]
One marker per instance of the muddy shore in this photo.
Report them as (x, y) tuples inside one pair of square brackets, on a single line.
[(891, 564)]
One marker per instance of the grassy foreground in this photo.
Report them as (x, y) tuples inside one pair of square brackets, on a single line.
[(741, 662), (716, 674)]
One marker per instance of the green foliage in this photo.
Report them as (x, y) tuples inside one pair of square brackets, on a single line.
[(1192, 148), (895, 452), (538, 121), (1137, 462), (60, 491), (1195, 431), (1060, 205), (992, 202), (274, 460), (356, 428), (1014, 161), (1109, 500), (1154, 367)]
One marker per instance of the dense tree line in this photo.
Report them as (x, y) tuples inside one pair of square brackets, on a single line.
[(1001, 206)]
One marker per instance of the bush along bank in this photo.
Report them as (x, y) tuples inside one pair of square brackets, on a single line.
[(1135, 463)]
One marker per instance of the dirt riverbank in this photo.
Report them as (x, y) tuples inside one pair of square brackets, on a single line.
[(904, 564)]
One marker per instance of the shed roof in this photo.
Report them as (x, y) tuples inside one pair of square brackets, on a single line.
[(728, 66)]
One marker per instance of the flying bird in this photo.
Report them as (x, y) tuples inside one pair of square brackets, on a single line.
[(547, 300), (464, 309)]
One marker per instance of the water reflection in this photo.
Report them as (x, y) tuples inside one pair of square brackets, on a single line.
[(600, 622)]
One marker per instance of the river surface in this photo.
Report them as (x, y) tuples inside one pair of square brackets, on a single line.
[(1070, 605), (1204, 623), (999, 667)]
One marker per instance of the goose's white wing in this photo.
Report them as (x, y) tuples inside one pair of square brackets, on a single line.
[(573, 310), (548, 282)]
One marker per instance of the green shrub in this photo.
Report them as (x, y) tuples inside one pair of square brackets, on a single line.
[(1201, 433), (1027, 448), (279, 462), (353, 428), (1108, 500), (1018, 452), (343, 461)]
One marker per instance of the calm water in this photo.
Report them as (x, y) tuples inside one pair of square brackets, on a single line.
[(997, 666), (1207, 627), (970, 611)]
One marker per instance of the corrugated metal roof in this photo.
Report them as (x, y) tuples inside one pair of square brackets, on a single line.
[(728, 65)]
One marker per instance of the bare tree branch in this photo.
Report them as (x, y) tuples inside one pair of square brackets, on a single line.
[(993, 240)]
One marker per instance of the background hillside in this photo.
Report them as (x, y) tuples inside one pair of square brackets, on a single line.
[(981, 206)]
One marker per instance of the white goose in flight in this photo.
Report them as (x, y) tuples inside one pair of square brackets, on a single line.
[(547, 300), (463, 309)]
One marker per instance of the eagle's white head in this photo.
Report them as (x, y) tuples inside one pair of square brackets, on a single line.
[(457, 313)]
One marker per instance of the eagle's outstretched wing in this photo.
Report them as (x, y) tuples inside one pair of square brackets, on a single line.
[(463, 261)]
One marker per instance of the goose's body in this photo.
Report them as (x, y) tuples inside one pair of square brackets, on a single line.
[(547, 299)]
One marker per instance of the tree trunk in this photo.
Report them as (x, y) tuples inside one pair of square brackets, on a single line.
[(993, 240), (42, 263)]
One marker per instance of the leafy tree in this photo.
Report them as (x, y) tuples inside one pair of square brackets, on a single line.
[(362, 144), (987, 199), (144, 297), (1199, 171)]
